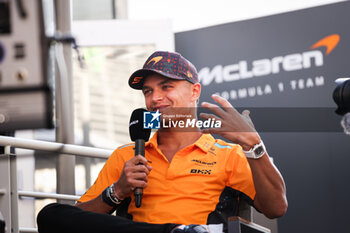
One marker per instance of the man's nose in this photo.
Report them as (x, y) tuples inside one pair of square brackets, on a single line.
[(157, 95)]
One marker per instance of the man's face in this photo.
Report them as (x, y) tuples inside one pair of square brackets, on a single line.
[(162, 93)]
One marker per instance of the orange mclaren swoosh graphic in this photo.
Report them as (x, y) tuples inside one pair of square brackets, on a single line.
[(155, 59), (329, 42), (189, 74), (137, 80)]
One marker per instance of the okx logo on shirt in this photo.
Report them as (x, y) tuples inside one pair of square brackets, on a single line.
[(151, 120)]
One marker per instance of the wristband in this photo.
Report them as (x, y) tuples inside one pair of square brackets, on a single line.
[(113, 195), (109, 197)]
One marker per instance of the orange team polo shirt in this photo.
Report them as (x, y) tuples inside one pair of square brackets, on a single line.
[(186, 190)]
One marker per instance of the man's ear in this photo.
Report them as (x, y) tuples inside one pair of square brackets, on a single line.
[(196, 91)]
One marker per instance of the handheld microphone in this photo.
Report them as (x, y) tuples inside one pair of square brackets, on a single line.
[(139, 135)]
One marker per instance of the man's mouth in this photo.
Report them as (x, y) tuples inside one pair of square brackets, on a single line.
[(160, 108)]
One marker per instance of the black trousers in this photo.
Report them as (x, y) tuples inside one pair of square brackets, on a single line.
[(61, 218)]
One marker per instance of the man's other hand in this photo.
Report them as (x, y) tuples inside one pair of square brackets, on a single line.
[(134, 175)]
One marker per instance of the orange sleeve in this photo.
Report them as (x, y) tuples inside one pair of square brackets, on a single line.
[(239, 173), (109, 174)]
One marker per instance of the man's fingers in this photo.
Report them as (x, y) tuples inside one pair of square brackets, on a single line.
[(137, 164), (222, 101), (149, 167), (140, 169), (139, 184), (246, 114), (225, 104), (207, 116), (139, 159), (214, 108), (140, 176)]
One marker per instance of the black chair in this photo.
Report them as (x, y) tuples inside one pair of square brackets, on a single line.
[(2, 224)]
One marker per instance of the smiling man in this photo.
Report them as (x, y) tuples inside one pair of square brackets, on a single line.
[(188, 177)]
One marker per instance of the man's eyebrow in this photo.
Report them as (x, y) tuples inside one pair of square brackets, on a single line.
[(159, 84), (165, 82)]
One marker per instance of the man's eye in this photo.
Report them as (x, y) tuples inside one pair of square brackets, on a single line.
[(166, 86), (145, 92)]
